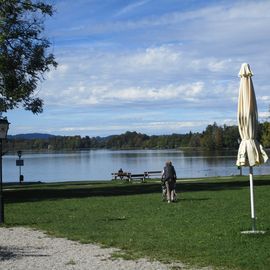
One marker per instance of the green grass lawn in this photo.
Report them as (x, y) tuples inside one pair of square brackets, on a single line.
[(202, 228)]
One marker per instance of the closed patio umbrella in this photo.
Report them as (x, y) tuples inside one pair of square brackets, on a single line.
[(250, 152)]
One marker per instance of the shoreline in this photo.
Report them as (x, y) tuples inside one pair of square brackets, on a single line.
[(118, 181)]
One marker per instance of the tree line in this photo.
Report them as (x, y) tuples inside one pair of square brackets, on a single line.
[(212, 138)]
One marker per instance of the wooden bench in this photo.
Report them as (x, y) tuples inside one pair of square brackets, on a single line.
[(134, 176), (145, 175), (122, 175), (140, 176), (153, 173)]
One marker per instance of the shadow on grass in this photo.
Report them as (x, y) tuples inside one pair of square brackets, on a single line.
[(190, 200), (47, 192)]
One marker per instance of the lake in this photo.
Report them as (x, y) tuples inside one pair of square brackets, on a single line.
[(99, 164)]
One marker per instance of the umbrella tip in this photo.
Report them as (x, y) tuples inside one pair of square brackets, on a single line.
[(245, 70)]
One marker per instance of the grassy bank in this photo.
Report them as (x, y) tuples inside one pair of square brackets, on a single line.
[(202, 228)]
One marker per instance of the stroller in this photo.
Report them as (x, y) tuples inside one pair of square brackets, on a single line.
[(164, 191)]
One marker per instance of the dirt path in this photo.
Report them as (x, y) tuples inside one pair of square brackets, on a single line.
[(27, 249)]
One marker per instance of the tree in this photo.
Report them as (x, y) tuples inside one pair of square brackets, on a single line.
[(231, 137), (207, 139), (23, 53), (213, 137), (266, 134), (195, 140)]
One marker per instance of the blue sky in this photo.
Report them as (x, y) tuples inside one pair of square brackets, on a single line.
[(151, 66)]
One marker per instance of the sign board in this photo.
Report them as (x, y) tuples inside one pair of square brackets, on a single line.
[(19, 162)]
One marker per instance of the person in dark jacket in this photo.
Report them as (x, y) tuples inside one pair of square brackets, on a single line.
[(169, 179)]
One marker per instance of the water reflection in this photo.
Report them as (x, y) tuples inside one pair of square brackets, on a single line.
[(99, 164)]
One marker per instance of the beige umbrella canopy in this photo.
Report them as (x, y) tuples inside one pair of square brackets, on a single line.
[(250, 152)]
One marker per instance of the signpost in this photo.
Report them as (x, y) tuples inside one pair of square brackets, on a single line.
[(20, 163)]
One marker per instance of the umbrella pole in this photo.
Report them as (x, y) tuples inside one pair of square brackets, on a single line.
[(252, 199)]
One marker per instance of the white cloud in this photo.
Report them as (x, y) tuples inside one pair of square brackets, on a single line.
[(228, 122), (161, 73), (151, 127), (157, 57), (169, 92), (264, 115), (182, 60), (177, 125), (265, 99), (131, 7), (85, 93), (216, 65), (211, 23)]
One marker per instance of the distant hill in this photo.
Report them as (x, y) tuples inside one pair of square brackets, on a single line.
[(30, 136)]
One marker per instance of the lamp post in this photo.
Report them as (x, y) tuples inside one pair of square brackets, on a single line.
[(4, 124)]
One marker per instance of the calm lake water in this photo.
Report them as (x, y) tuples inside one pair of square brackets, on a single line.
[(99, 164)]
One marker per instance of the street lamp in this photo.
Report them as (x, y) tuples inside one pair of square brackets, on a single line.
[(4, 124)]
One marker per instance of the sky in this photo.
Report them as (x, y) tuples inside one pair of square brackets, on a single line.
[(151, 66)]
